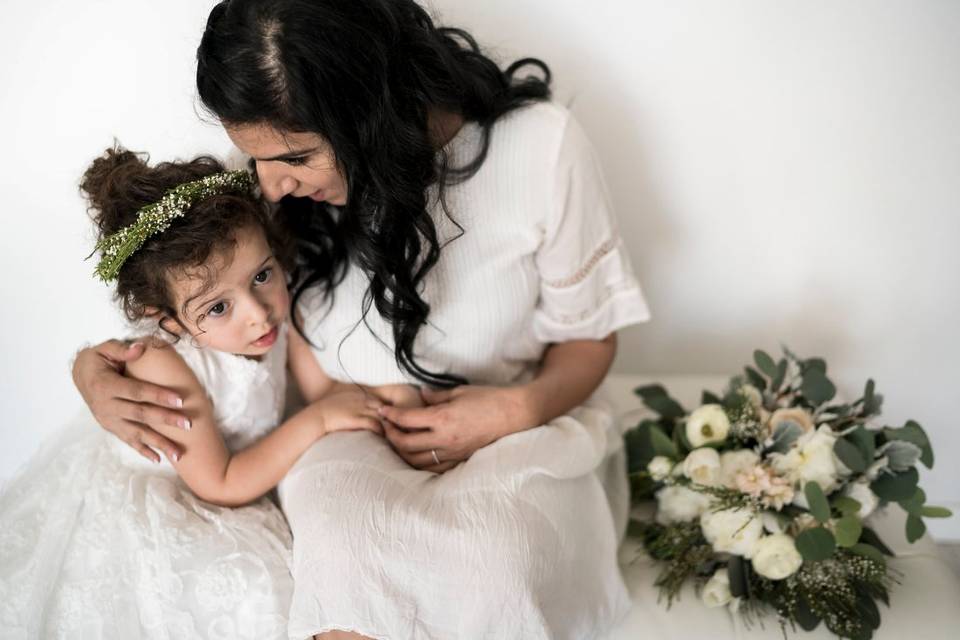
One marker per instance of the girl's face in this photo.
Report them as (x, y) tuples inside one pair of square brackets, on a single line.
[(241, 311), (298, 164)]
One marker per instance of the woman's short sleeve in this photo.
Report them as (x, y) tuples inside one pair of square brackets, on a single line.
[(587, 286)]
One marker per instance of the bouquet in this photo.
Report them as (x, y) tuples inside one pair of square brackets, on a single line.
[(764, 493)]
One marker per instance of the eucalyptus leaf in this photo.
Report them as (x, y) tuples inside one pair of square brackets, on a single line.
[(850, 455), (867, 608), (666, 406), (894, 487), (662, 444), (785, 434), (818, 364), (708, 397), (914, 504), (806, 618), (817, 502), (816, 387), (846, 505), (915, 528), (870, 537), (780, 375), (869, 551), (912, 432), (737, 572), (755, 378), (847, 530), (865, 441), (650, 391), (901, 455), (765, 363), (935, 512), (815, 544)]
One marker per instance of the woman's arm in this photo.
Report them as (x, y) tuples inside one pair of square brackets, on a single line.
[(129, 409), (459, 421), (208, 467)]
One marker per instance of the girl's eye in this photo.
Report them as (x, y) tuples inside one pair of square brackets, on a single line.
[(217, 309), (296, 162), (263, 276)]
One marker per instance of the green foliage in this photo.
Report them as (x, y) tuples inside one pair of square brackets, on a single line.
[(816, 387), (850, 455), (847, 530), (894, 487), (817, 502), (816, 544)]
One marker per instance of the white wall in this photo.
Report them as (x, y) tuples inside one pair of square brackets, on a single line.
[(783, 170)]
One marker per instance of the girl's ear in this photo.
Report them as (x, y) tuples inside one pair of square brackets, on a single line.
[(166, 322)]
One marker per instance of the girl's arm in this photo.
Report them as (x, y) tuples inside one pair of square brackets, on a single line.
[(232, 479)]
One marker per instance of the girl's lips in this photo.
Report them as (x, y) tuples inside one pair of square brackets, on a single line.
[(266, 339)]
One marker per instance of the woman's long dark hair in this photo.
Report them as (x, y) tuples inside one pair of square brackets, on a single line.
[(365, 75)]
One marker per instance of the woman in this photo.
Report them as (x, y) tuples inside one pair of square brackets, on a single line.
[(456, 235)]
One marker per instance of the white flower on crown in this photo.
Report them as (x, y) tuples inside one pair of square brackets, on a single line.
[(733, 530), (707, 424), (703, 466), (676, 503)]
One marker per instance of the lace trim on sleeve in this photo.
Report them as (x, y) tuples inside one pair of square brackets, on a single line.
[(577, 318), (581, 274)]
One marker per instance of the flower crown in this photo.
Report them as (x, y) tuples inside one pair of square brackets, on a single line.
[(154, 218)]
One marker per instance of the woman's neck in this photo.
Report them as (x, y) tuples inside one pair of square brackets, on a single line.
[(443, 126)]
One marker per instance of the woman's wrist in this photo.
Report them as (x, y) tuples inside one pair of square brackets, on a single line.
[(529, 406)]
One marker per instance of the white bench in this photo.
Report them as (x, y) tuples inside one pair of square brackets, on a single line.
[(925, 606)]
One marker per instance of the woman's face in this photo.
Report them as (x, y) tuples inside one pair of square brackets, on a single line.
[(296, 164)]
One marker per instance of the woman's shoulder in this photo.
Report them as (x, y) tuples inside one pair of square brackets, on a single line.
[(543, 120)]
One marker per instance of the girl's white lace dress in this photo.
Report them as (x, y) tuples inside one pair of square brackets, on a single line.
[(98, 542)]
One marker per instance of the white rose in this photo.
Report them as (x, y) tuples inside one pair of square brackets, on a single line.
[(679, 504), (810, 459), (732, 530), (707, 424), (716, 592), (734, 462), (703, 466), (771, 522), (660, 467), (860, 491), (776, 557)]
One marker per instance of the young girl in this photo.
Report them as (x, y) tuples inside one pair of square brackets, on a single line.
[(96, 541)]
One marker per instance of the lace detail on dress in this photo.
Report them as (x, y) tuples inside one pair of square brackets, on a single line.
[(581, 274), (608, 293)]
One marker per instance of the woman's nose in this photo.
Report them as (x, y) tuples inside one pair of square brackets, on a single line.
[(274, 181)]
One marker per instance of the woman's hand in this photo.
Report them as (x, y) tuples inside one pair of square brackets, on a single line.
[(456, 423), (125, 407)]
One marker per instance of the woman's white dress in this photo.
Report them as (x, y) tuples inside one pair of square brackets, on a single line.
[(520, 541), (98, 542)]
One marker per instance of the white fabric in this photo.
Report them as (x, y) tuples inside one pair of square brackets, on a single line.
[(98, 542), (518, 542)]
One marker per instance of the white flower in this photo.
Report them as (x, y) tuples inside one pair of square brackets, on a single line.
[(860, 491), (776, 557), (732, 530), (660, 467), (752, 394), (679, 504), (716, 592), (733, 462), (707, 424), (810, 459), (703, 466), (771, 522)]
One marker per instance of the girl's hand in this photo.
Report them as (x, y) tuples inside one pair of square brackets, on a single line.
[(455, 424), (399, 395), (125, 407), (348, 410)]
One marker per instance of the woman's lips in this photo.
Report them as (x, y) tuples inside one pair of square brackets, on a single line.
[(266, 339)]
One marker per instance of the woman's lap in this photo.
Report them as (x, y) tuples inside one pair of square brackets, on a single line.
[(516, 542)]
